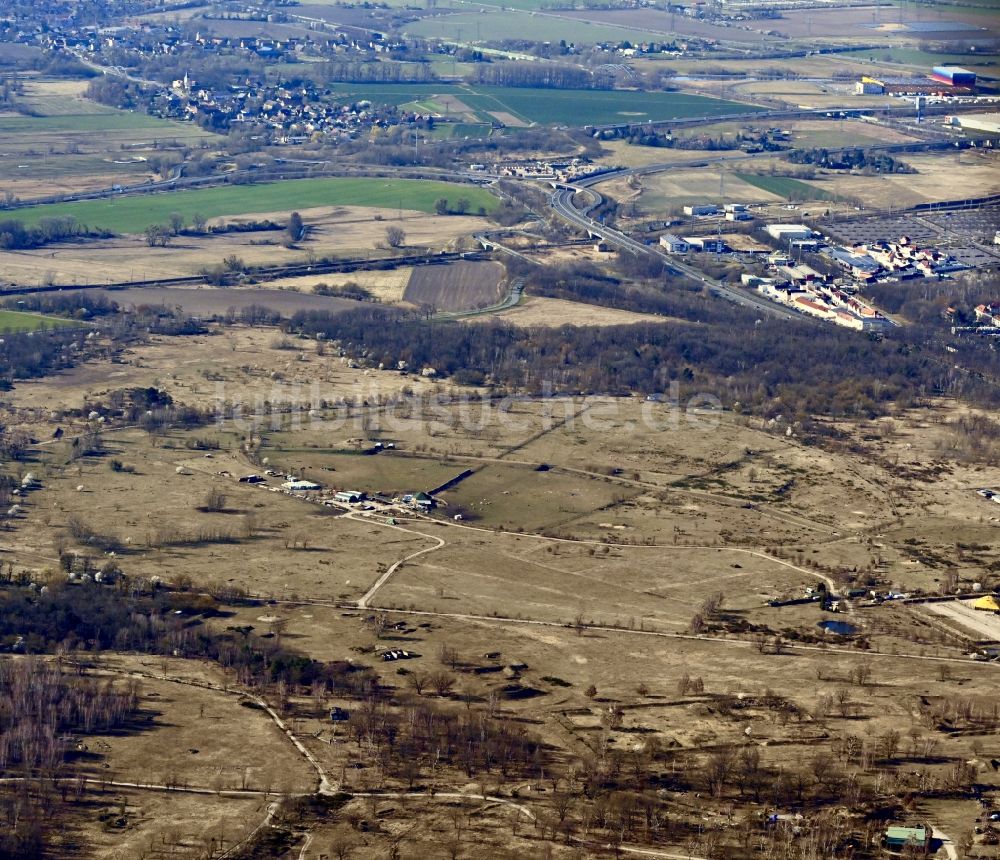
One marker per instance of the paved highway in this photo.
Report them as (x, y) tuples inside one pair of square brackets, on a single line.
[(561, 202)]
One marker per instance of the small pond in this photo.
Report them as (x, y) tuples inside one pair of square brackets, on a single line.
[(841, 628)]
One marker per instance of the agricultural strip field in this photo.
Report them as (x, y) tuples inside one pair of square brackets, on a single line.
[(670, 190), (462, 286), (983, 64), (516, 24), (541, 311), (105, 120), (337, 231), (938, 177), (134, 214), (96, 145), (553, 107), (11, 321), (212, 301), (787, 187)]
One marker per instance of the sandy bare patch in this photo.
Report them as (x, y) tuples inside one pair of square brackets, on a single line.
[(571, 254), (453, 104), (509, 119), (670, 191), (945, 176), (541, 311), (385, 286), (855, 128), (625, 154)]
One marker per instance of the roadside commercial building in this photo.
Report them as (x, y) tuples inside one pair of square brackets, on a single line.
[(984, 122), (788, 232), (701, 210), (673, 244), (954, 76)]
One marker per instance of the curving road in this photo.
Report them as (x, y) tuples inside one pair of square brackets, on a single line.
[(561, 202), (364, 600)]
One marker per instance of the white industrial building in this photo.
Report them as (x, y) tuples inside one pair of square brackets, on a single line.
[(705, 243), (987, 122), (702, 210), (787, 232), (674, 244)]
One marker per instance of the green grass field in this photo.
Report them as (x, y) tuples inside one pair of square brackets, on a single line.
[(110, 121), (517, 24), (979, 62), (552, 107), (785, 186), (11, 321), (135, 214)]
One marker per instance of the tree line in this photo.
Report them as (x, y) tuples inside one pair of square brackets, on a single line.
[(15, 235), (851, 159), (543, 75), (771, 367)]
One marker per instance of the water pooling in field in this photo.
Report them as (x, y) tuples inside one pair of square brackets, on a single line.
[(841, 628)]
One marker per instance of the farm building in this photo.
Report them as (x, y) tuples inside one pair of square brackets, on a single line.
[(987, 603), (908, 838), (418, 500), (673, 244), (300, 486), (349, 496)]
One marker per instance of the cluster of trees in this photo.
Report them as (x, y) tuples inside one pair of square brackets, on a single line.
[(28, 355), (76, 305), (767, 367), (11, 88), (930, 301), (584, 282), (638, 136), (116, 92), (98, 618), (642, 136), (544, 75), (14, 235), (210, 70), (39, 703), (376, 72), (409, 742), (23, 355), (460, 207), (851, 159)]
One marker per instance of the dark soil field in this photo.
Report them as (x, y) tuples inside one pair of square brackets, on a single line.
[(456, 287), (362, 18), (212, 301)]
